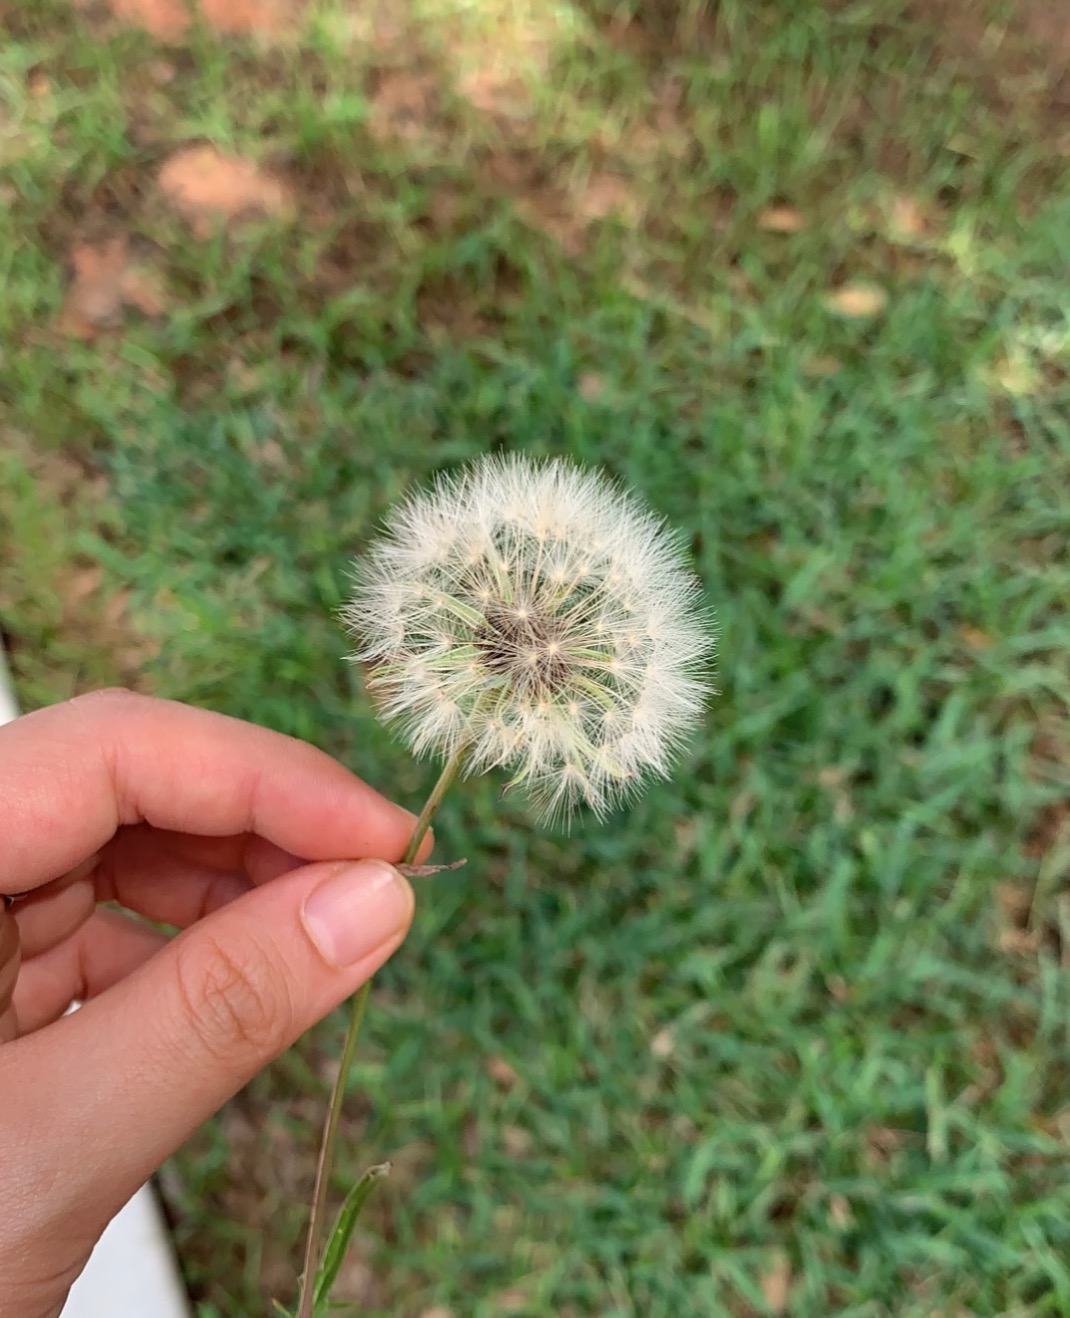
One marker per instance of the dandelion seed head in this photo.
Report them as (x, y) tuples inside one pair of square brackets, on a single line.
[(541, 619)]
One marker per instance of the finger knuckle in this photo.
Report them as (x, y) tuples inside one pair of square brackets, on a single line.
[(235, 1002)]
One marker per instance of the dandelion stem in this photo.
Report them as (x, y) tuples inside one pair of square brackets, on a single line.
[(445, 781), (325, 1164), (326, 1158)]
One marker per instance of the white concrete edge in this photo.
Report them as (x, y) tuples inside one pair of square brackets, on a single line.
[(8, 708), (132, 1273)]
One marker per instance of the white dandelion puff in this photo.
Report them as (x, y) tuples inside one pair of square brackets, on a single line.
[(535, 617)]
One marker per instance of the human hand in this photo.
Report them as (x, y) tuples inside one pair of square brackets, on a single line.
[(243, 838)]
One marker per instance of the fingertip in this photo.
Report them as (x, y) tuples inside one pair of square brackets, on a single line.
[(357, 910)]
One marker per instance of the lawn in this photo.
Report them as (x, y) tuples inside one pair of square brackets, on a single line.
[(790, 1036)]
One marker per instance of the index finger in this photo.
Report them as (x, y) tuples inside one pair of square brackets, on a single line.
[(71, 774)]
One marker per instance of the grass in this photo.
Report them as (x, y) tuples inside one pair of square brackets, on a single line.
[(791, 1035)]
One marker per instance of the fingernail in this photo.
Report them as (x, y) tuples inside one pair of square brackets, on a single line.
[(356, 910)]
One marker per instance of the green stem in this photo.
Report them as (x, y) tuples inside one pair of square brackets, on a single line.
[(446, 780), (325, 1164), (326, 1158)]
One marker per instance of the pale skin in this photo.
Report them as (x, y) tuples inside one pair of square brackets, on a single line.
[(252, 844)]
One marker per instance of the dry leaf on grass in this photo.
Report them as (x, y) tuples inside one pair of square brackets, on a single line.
[(1018, 942), (1016, 373), (502, 1072), (857, 301), (517, 1142), (663, 1044), (107, 279), (973, 637), (207, 188), (776, 1284), (781, 219), (908, 219), (840, 1212)]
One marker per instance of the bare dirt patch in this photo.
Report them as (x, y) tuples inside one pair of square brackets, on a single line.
[(1020, 56), (108, 278), (166, 20), (497, 69), (209, 188), (170, 20), (981, 31)]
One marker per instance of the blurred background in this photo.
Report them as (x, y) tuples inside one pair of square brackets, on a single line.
[(791, 1035)]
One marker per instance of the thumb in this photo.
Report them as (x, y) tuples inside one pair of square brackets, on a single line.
[(127, 1078)]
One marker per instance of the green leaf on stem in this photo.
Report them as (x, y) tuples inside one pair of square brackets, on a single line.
[(338, 1241)]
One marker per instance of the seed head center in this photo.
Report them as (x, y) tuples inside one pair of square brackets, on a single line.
[(522, 645)]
